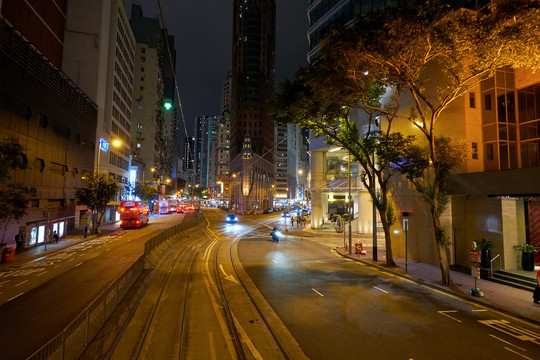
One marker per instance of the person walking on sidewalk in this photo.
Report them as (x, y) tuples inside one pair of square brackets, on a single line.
[(85, 231), (536, 294), (55, 237)]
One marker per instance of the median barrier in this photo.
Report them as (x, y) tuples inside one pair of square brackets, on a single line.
[(72, 341)]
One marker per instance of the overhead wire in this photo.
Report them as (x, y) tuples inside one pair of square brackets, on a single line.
[(190, 150)]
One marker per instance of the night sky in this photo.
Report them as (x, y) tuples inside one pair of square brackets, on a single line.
[(203, 30)]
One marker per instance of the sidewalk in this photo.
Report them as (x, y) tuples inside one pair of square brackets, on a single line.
[(506, 299), (39, 251)]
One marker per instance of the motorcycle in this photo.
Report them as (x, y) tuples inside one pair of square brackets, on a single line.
[(275, 235)]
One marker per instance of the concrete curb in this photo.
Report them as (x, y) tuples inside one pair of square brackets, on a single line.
[(449, 291)]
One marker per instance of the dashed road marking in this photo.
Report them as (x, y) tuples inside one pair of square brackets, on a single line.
[(384, 291), (16, 296), (317, 292), (506, 342), (22, 282), (515, 352), (449, 311)]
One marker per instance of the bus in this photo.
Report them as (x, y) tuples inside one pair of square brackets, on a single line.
[(167, 206), (134, 214)]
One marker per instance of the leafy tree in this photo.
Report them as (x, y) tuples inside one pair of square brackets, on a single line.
[(13, 204), (145, 192), (99, 190), (427, 54), (15, 199), (11, 157), (319, 99)]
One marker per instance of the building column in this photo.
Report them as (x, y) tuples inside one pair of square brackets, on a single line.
[(318, 207)]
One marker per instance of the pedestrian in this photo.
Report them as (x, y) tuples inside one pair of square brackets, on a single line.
[(18, 241), (536, 294), (298, 221), (55, 236), (292, 220), (85, 231)]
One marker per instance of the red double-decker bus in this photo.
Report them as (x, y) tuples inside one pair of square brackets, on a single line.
[(134, 214)]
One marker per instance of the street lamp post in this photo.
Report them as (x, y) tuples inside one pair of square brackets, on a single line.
[(349, 203)]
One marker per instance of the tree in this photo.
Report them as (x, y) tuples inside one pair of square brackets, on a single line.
[(15, 199), (13, 204), (427, 54), (145, 192), (99, 190), (319, 99), (11, 157)]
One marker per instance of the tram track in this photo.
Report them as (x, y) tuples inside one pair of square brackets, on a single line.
[(194, 296)]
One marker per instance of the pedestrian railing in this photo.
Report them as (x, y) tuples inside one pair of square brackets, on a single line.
[(72, 341), (491, 264)]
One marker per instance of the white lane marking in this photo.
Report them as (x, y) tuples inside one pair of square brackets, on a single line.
[(2, 283), (79, 264), (319, 261), (479, 310), (512, 330), (41, 273), (384, 291), (246, 339), (212, 345), (515, 352), (449, 311), (317, 292), (16, 296), (22, 282), (231, 278), (506, 342), (274, 261)]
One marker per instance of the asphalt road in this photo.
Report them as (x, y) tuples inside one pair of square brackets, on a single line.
[(337, 308), (39, 299)]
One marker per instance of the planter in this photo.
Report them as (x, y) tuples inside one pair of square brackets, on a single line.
[(527, 261), (485, 258)]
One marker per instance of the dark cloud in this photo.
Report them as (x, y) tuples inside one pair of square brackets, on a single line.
[(203, 29)]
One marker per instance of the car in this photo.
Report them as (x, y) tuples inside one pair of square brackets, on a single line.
[(180, 210), (285, 214), (231, 219)]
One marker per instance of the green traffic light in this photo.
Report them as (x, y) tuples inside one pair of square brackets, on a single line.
[(167, 105)]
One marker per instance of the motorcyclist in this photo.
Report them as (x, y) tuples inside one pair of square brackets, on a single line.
[(274, 234)]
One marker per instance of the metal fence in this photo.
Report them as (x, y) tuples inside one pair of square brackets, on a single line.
[(71, 342)]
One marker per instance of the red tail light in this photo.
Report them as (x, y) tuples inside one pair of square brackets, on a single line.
[(121, 222), (137, 222)]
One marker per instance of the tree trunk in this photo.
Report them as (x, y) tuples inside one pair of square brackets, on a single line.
[(441, 248), (387, 240)]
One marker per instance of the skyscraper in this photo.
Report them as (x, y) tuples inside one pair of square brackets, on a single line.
[(253, 54)]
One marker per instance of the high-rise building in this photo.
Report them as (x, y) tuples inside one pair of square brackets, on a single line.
[(44, 111), (252, 81), (208, 135), (155, 117), (99, 52)]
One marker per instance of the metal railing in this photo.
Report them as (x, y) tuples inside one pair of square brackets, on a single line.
[(72, 341), (491, 264)]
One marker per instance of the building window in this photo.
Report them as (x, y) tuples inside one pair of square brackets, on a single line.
[(489, 152), (475, 151), (487, 101), (472, 102)]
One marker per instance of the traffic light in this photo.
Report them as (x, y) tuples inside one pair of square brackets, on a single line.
[(167, 104)]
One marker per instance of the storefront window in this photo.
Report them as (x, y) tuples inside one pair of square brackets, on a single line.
[(61, 227), (41, 234), (33, 236)]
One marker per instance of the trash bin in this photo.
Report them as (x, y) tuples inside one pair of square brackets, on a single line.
[(358, 247), (9, 254)]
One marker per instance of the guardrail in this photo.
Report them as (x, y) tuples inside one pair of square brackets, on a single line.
[(72, 341)]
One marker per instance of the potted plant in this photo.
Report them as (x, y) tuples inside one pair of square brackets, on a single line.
[(485, 247), (527, 255)]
